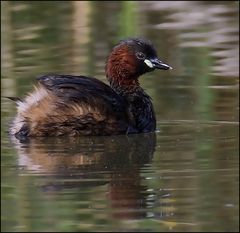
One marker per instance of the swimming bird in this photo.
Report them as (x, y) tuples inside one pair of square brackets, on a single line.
[(79, 105)]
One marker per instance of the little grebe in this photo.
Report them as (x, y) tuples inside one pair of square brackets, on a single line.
[(79, 105)]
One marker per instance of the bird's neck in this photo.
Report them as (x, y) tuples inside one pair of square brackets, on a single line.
[(125, 87), (140, 109)]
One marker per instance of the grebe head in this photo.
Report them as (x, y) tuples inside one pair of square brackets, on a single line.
[(130, 59)]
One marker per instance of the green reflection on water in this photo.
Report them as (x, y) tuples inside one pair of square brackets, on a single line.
[(194, 171), (128, 19)]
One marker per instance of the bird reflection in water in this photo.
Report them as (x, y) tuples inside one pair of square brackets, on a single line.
[(115, 161)]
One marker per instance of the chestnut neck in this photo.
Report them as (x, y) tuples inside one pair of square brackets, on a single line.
[(125, 86), (121, 71)]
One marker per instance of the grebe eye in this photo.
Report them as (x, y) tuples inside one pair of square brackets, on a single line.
[(140, 55)]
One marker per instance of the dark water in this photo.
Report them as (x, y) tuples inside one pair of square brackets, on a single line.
[(184, 177)]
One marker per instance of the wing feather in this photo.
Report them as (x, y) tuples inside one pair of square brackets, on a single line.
[(84, 89)]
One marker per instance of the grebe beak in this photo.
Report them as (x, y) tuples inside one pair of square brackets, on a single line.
[(157, 64)]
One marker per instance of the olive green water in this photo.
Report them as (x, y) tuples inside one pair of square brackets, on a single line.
[(184, 177)]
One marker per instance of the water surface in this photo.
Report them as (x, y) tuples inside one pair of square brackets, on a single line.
[(184, 177)]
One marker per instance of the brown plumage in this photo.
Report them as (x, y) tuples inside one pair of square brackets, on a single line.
[(79, 105)]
